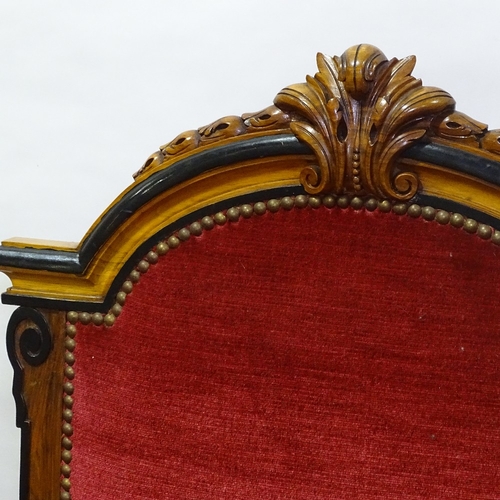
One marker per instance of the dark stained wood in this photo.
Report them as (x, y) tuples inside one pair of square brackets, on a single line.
[(41, 392)]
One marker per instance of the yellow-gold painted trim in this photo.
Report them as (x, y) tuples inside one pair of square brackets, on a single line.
[(211, 187)]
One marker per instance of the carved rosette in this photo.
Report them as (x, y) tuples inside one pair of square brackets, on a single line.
[(358, 113)]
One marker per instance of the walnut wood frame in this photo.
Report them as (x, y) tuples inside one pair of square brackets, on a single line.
[(362, 127)]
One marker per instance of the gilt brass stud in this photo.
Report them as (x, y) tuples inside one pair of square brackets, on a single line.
[(67, 429), (220, 218), (428, 213), (72, 317), (196, 229), (329, 201), (233, 214), (173, 242), (68, 401), (343, 201), (371, 204), (357, 203), (162, 248), (287, 203), (68, 388), (143, 266), (69, 372), (71, 329), (67, 444), (109, 319), (152, 257), (97, 318), (207, 223), (116, 310), (457, 220), (66, 484), (301, 201), (127, 286), (70, 344), (184, 234), (273, 205), (260, 208), (470, 226), (442, 217), (65, 470), (384, 206), (67, 415), (246, 211), (84, 318), (135, 275), (69, 358), (414, 210), (400, 208), (121, 297), (484, 231), (314, 201)]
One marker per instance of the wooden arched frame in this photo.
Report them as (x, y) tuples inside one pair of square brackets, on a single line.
[(361, 128)]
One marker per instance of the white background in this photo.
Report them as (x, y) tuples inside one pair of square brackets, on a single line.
[(89, 89)]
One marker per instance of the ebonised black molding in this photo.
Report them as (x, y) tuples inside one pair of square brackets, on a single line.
[(182, 171), (40, 259), (456, 160), (73, 262), (143, 192), (143, 249)]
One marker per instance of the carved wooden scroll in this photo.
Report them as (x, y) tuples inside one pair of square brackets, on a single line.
[(358, 114)]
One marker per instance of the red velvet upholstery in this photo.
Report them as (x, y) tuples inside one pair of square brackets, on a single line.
[(321, 353)]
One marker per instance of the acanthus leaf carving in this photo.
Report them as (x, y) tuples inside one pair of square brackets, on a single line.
[(358, 114)]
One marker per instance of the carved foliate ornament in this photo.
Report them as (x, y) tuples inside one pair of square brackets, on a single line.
[(358, 113), (268, 119)]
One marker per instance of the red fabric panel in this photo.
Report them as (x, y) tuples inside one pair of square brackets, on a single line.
[(326, 354)]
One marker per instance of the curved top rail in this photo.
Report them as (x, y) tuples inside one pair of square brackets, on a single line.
[(362, 125)]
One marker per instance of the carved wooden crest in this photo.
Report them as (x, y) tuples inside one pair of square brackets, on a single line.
[(358, 114)]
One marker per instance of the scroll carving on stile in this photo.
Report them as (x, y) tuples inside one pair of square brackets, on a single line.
[(358, 113)]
